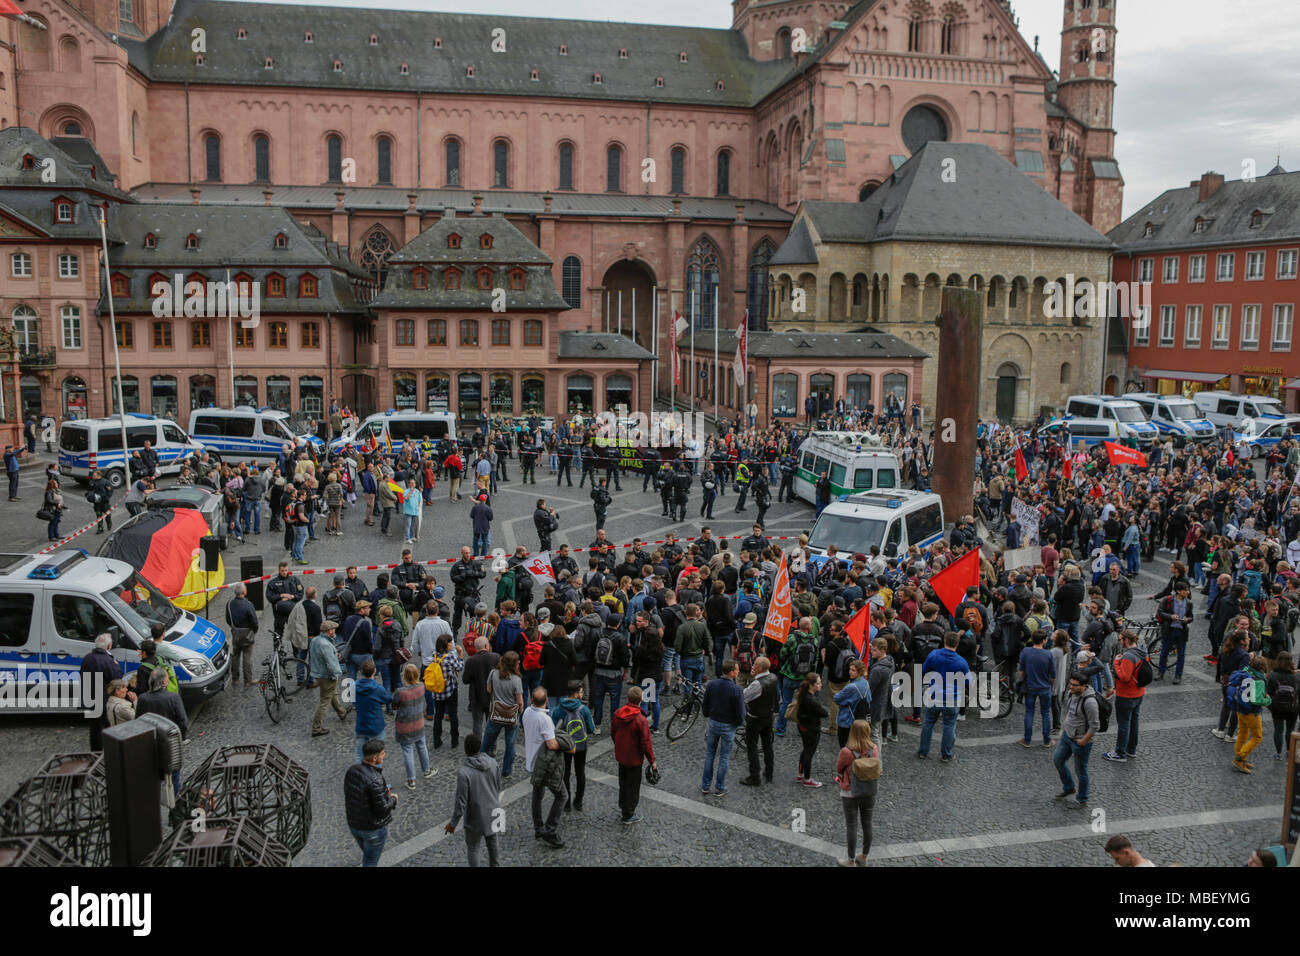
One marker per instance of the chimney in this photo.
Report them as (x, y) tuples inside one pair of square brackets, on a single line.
[(1209, 184), (478, 205), (266, 194), (194, 195)]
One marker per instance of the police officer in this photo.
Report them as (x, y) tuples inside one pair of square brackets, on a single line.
[(600, 499), (588, 464), (528, 460), (466, 575), (709, 482), (612, 454), (564, 463), (664, 484), (762, 492), (742, 482), (682, 480), (789, 465), (649, 465)]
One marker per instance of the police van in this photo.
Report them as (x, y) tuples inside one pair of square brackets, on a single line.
[(1261, 435), (853, 461), (97, 443), (1233, 410), (244, 433), (396, 427), (1079, 434), (53, 606), (890, 520), (1110, 408), (1174, 416)]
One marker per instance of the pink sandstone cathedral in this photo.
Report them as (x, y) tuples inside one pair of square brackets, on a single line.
[(608, 176)]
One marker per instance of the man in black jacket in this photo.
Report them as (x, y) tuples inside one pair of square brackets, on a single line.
[(282, 593), (369, 802), (409, 579), (1069, 598), (100, 661), (100, 496), (761, 697), (465, 575), (600, 501), (545, 521), (167, 703)]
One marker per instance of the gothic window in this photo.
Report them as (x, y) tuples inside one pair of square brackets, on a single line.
[(914, 33), (724, 173), (384, 158), (212, 157), (376, 249), (262, 159), (613, 169), (946, 36), (566, 165), (571, 281), (500, 165), (678, 163), (702, 273), (334, 158), (453, 162), (757, 301)]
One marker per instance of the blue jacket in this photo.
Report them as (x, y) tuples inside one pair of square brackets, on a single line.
[(368, 485), (943, 662), (370, 698), (724, 701), (481, 515), (847, 700)]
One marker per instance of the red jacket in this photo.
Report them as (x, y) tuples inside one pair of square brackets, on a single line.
[(1126, 666), (632, 745)]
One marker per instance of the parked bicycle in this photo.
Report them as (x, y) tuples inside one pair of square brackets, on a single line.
[(274, 683), (689, 709)]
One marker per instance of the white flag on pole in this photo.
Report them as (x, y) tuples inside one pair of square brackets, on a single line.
[(539, 566), (741, 361)]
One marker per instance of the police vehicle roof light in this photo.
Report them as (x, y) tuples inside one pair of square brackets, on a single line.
[(53, 569)]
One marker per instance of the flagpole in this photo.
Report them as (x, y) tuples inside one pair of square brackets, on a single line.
[(230, 339), (634, 313), (620, 311), (715, 354), (117, 360), (695, 317), (654, 337), (672, 352)]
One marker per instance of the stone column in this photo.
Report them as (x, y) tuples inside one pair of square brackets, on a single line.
[(961, 330)]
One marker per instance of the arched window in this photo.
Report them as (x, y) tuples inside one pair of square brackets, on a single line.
[(785, 395), (279, 392), (469, 394), (26, 329), (212, 157), (452, 150), (384, 159), (946, 35), (437, 392), (858, 391), (334, 158), (135, 132), (162, 395), (74, 397), (130, 394), (783, 43), (261, 159), (614, 169), (757, 299), (678, 165), (69, 55), (501, 164), (895, 383), (566, 166), (702, 273), (571, 282), (1065, 373), (376, 249), (311, 395), (724, 173), (405, 394), (914, 33)]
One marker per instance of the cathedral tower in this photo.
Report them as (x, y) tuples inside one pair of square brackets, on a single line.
[(1086, 91)]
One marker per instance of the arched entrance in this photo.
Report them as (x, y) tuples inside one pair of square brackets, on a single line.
[(74, 398), (1112, 385), (626, 282), (1008, 380)]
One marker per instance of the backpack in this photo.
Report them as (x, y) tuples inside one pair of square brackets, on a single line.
[(840, 669), (1104, 709), (387, 638), (532, 654), (574, 726), (507, 631), (805, 658), (744, 654), (435, 680), (1145, 672), (1285, 701), (172, 684), (604, 656), (332, 607)]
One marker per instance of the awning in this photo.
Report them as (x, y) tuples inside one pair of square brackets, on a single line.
[(1184, 376), (1294, 383)]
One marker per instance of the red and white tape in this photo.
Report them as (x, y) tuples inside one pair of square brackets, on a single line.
[(78, 532)]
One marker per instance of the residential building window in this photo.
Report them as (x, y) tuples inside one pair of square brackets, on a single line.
[(1282, 318), (437, 331), (453, 241), (566, 166), (1286, 263), (70, 319), (307, 287), (678, 165), (126, 11), (150, 241), (613, 169), (121, 287), (1192, 336), (1201, 225), (501, 165), (69, 266), (516, 280), (311, 335), (278, 335), (162, 335), (405, 332), (281, 241), (500, 331), (126, 335), (485, 241), (452, 150), (1196, 268), (1146, 269), (1219, 331), (1167, 321), (1142, 326), (724, 173), (571, 281), (201, 335), (1171, 268), (27, 335), (243, 337), (191, 243), (1254, 265), (275, 286), (1250, 326), (20, 264), (1227, 263), (420, 279), (212, 157), (451, 280), (484, 279), (532, 331), (469, 332), (63, 212)]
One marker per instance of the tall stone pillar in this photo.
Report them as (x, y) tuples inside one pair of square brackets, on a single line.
[(957, 397)]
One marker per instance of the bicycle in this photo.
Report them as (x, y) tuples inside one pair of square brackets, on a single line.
[(275, 693), (1148, 633), (688, 710)]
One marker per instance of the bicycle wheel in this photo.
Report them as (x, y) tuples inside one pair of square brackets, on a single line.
[(683, 719), (1006, 698), (273, 691)]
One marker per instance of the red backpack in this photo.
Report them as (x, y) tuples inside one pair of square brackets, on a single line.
[(532, 653)]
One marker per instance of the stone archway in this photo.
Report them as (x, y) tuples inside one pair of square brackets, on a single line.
[(631, 281)]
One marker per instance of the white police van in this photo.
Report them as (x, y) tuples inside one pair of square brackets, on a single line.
[(244, 433), (1112, 408), (891, 520), (97, 443), (1233, 410), (1080, 434), (1260, 435), (1174, 416), (399, 426), (53, 606), (852, 461)]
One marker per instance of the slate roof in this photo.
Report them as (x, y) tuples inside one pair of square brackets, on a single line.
[(343, 33), (1175, 211), (76, 167), (600, 345), (797, 249), (991, 201), (509, 245), (837, 345), (31, 202), (619, 205)]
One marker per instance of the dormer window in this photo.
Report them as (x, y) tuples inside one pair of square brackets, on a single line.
[(453, 241), (1148, 231), (622, 53), (595, 78), (307, 287), (198, 59), (437, 43), (1256, 219), (270, 63), (420, 279), (721, 85), (121, 287), (191, 243), (484, 276), (29, 161), (374, 39), (532, 75), (681, 57), (338, 66), (1201, 225), (469, 72), (308, 38), (659, 82), (485, 241), (516, 280), (564, 49), (242, 34), (451, 280), (405, 70), (63, 210), (281, 241), (150, 241)]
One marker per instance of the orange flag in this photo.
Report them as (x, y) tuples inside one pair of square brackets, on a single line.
[(778, 624), (858, 628), (951, 583)]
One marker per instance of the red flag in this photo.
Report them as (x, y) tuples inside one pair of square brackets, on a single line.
[(1022, 470), (1123, 455), (10, 9), (858, 628), (1067, 468), (951, 583), (1096, 491), (778, 624)]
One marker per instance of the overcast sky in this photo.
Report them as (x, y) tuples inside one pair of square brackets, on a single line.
[(1203, 84)]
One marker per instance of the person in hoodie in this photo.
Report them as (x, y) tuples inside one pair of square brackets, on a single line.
[(632, 748), (572, 716), (880, 674), (371, 698), (478, 800)]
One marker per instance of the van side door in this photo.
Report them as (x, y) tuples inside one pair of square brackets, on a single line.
[(20, 636), (75, 620)]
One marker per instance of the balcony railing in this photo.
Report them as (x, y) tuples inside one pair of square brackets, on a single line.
[(35, 359)]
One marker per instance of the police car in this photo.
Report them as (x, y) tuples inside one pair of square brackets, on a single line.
[(396, 427), (92, 443), (53, 606), (1261, 435), (890, 520), (1128, 416), (1174, 416), (244, 433)]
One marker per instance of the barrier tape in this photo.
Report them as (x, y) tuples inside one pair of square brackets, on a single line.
[(435, 561), (80, 531)]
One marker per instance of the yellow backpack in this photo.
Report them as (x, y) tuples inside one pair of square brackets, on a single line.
[(435, 681)]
